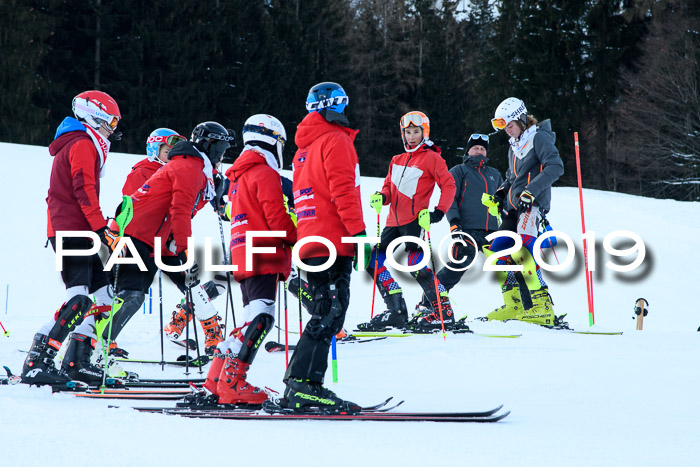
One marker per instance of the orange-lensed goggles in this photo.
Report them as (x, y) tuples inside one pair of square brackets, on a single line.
[(411, 119), (169, 140), (498, 123)]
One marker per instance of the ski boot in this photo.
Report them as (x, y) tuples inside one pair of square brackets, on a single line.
[(542, 311), (212, 333), (39, 368), (116, 351), (395, 316), (233, 388), (181, 316), (432, 322), (76, 362), (217, 364), (511, 308), (303, 395)]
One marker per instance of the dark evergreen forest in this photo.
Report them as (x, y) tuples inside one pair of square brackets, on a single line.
[(623, 73)]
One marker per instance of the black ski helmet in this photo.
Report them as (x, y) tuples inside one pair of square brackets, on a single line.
[(213, 139), (330, 100)]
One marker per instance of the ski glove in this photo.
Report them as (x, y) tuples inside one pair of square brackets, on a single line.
[(376, 200), (436, 216), (108, 237), (366, 252), (525, 202), (191, 274), (500, 197)]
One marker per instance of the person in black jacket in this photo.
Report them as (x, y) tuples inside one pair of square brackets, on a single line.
[(467, 213)]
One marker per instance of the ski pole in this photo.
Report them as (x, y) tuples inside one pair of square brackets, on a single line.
[(194, 326), (6, 333), (227, 259), (334, 362), (286, 336), (589, 274), (160, 304), (376, 264), (285, 299), (424, 221), (125, 215), (279, 310), (300, 320)]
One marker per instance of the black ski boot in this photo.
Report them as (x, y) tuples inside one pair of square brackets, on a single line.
[(76, 362), (303, 395), (431, 322), (395, 316), (39, 368)]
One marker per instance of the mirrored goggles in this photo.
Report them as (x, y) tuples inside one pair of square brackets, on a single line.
[(113, 122), (411, 119), (498, 123), (480, 136), (169, 140)]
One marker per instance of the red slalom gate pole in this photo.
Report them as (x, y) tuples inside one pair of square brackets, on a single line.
[(589, 274)]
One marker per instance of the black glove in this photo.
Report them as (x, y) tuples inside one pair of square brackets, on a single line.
[(436, 216), (525, 202), (108, 237), (190, 274), (500, 197)]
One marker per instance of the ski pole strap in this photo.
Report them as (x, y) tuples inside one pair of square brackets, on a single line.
[(126, 213), (424, 219)]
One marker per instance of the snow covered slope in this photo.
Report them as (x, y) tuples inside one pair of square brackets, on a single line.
[(575, 399)]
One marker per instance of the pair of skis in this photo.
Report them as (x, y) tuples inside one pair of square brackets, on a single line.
[(380, 412)]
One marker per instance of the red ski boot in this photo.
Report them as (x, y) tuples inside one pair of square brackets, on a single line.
[(217, 364), (233, 387)]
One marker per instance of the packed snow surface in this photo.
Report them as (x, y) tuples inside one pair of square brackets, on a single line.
[(575, 399)]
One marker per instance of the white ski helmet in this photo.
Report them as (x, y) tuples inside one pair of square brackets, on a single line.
[(507, 111), (266, 129)]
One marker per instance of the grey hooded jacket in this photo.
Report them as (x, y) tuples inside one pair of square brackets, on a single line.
[(536, 170), (473, 178)]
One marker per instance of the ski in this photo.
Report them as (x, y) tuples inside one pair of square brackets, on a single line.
[(273, 346), (168, 381), (272, 411), (153, 396), (408, 333), (185, 343), (451, 417), (181, 361)]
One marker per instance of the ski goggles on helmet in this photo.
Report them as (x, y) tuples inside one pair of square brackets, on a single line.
[(413, 118), (476, 136), (265, 132), (498, 123), (169, 140)]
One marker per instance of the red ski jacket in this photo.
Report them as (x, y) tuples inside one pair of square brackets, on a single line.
[(74, 188), (167, 202), (326, 185), (257, 203), (142, 171), (410, 183)]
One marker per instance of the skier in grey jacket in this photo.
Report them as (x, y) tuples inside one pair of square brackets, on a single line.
[(534, 165), (467, 213)]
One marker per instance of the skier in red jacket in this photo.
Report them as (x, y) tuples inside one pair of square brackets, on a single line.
[(328, 204), (164, 206), (158, 146), (80, 151), (257, 204), (407, 189)]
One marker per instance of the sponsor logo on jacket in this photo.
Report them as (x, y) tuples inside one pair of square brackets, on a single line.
[(306, 214), (240, 219), (303, 195)]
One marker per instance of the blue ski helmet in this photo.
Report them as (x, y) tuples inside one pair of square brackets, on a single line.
[(159, 137), (330, 100)]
